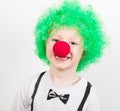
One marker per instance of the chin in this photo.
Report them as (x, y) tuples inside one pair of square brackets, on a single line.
[(63, 67)]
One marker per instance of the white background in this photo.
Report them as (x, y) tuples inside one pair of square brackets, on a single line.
[(18, 61)]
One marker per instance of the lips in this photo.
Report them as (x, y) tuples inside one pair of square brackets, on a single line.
[(62, 58)]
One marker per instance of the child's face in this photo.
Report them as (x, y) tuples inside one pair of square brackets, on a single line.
[(70, 36)]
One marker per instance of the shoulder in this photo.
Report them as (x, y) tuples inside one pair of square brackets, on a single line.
[(93, 100), (93, 95), (92, 103), (27, 86), (92, 92)]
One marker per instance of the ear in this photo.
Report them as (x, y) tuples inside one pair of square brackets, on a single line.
[(83, 54)]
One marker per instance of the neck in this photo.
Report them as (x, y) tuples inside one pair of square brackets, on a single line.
[(63, 77)]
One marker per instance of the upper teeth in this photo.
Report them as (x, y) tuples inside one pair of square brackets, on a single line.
[(64, 58)]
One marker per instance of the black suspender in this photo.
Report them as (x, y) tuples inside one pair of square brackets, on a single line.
[(85, 96), (35, 89), (81, 104)]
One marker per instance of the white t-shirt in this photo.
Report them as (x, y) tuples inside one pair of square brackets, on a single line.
[(23, 99)]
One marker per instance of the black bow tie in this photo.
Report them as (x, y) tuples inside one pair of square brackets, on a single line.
[(64, 98)]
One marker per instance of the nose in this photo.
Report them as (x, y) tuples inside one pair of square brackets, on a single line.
[(61, 48)]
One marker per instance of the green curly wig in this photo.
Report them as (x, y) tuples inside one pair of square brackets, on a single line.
[(72, 14)]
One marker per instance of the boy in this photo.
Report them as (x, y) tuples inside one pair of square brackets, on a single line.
[(68, 38)]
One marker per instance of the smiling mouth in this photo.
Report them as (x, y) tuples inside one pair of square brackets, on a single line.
[(62, 58)]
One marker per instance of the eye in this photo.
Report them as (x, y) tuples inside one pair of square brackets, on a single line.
[(55, 40), (73, 43)]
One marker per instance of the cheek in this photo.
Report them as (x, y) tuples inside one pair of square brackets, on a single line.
[(77, 53), (49, 50)]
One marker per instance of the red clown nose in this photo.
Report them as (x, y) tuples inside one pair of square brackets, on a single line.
[(61, 49)]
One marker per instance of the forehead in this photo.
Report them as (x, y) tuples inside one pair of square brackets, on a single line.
[(70, 33)]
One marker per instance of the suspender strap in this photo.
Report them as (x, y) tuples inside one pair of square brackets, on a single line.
[(35, 89), (85, 96)]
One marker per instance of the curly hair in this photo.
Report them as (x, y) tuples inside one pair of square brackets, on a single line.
[(72, 14)]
